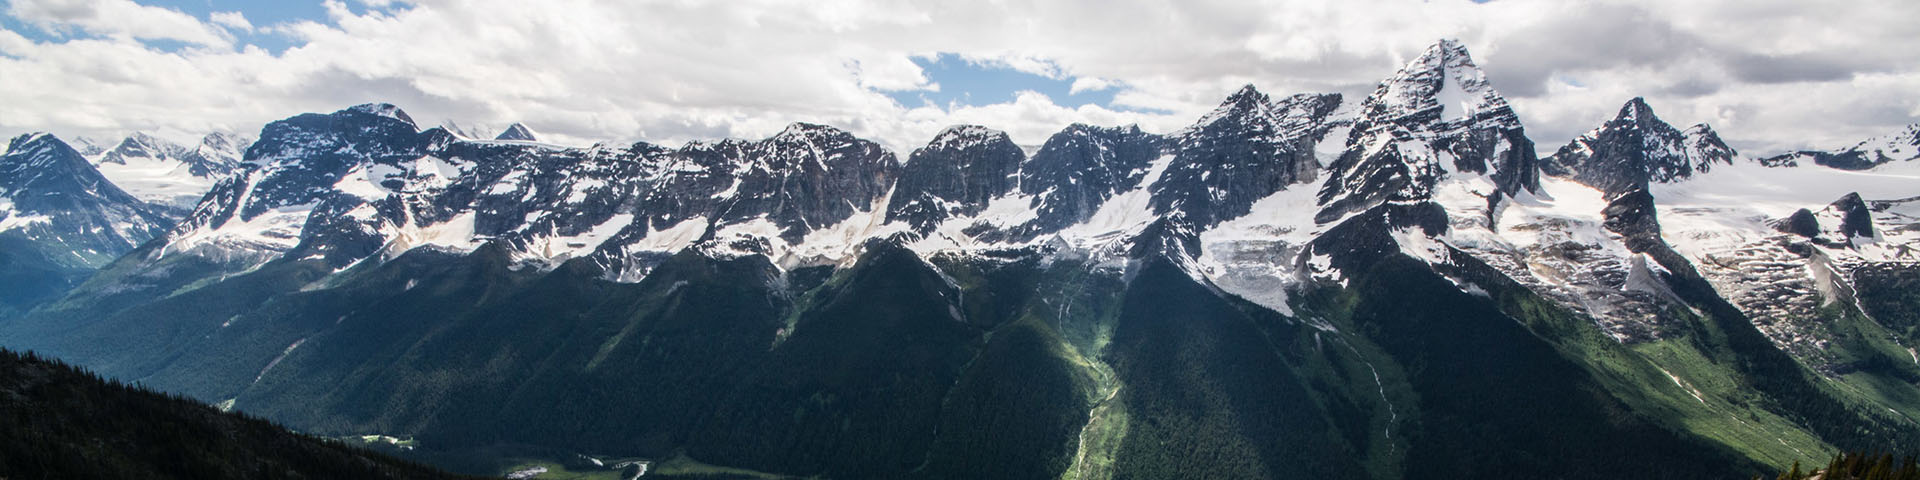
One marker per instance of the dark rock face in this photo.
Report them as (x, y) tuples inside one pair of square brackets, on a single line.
[(1801, 223), (1835, 226), (1248, 148), (955, 175), (1633, 215), (1856, 220), (1635, 149), (804, 178), (1082, 167), (1436, 116), (810, 177)]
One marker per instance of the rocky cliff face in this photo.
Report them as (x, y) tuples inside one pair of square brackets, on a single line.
[(1081, 168), (1248, 148), (955, 175)]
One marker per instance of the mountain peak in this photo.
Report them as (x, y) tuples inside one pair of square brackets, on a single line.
[(1443, 80), (382, 109), (1244, 105), (1636, 109), (517, 132), (1438, 116), (1874, 152), (1636, 148), (963, 136), (808, 130), (26, 140), (1246, 93)]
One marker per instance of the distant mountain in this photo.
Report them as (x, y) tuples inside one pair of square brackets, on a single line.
[(169, 174), (1290, 286), (60, 219), (517, 132), (1874, 152), (1636, 149), (67, 423)]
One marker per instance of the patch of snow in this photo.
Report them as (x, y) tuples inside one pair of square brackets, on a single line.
[(275, 230), (526, 473), (1253, 256), (576, 245), (672, 238), (1418, 245)]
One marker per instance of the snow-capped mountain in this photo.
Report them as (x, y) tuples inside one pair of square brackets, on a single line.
[(51, 194), (60, 219), (1407, 259), (169, 174), (1897, 149), (1247, 148), (364, 180), (956, 175), (1253, 184), (1436, 119), (1636, 149), (517, 132)]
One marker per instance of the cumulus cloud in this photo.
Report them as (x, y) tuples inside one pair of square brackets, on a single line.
[(1090, 84), (1794, 74), (116, 18)]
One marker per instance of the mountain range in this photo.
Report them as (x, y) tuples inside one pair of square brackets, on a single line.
[(1307, 285)]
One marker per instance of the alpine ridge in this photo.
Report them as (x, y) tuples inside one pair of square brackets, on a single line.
[(1292, 285)]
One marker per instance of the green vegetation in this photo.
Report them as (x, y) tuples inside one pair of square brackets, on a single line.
[(1858, 466), (62, 422)]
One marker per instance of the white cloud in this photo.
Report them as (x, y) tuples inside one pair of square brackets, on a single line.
[(1795, 74), (117, 18), (233, 20), (1090, 84)]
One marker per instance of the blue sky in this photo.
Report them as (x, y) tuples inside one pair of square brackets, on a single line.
[(966, 82)]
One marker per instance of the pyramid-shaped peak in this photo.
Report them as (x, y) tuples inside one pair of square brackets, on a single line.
[(1636, 108), (1446, 54), (1444, 81), (518, 132)]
